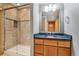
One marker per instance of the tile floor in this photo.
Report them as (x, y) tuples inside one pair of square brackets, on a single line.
[(19, 50)]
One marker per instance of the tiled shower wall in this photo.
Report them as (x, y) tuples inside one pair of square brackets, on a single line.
[(20, 34), (11, 34), (25, 26), (10, 30), (25, 33)]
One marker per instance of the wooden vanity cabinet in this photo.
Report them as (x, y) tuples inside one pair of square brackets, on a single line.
[(64, 48), (38, 47), (64, 51), (38, 41), (64, 43), (50, 42), (52, 47), (37, 54), (50, 51)]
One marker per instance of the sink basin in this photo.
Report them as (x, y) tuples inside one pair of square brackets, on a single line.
[(51, 36), (55, 36)]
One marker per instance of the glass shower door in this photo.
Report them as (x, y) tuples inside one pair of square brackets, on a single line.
[(11, 35), (18, 30), (25, 30)]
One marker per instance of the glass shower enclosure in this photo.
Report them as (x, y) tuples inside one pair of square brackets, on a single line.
[(18, 29)]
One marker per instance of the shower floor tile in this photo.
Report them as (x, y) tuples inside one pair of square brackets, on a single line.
[(19, 50)]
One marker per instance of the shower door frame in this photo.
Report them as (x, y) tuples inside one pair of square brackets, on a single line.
[(31, 17)]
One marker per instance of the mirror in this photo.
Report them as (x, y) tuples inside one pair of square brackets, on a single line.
[(51, 17)]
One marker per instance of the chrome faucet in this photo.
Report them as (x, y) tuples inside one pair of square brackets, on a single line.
[(50, 33)]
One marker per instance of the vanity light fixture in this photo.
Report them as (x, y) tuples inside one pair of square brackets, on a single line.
[(54, 7), (50, 7), (18, 4), (46, 9)]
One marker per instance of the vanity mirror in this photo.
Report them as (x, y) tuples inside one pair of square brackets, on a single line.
[(51, 17)]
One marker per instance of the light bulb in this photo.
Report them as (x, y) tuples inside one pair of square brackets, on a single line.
[(54, 7), (46, 9), (18, 4), (50, 7)]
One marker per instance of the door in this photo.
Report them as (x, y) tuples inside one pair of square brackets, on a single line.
[(25, 29), (50, 51), (11, 29), (51, 26)]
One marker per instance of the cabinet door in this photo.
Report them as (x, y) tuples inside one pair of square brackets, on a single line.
[(50, 51), (64, 52), (39, 49)]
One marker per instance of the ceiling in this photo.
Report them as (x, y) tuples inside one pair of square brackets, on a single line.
[(9, 5)]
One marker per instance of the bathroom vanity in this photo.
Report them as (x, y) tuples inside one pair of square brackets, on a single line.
[(55, 43), (52, 44)]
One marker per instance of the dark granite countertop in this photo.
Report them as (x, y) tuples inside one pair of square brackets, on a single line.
[(62, 36)]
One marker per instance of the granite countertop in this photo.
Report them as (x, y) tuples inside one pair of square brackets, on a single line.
[(62, 36)]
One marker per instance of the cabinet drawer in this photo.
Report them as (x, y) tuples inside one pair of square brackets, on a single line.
[(64, 43), (38, 48), (50, 42), (38, 41), (36, 54)]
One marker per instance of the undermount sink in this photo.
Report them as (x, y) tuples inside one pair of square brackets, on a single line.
[(51, 36)]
